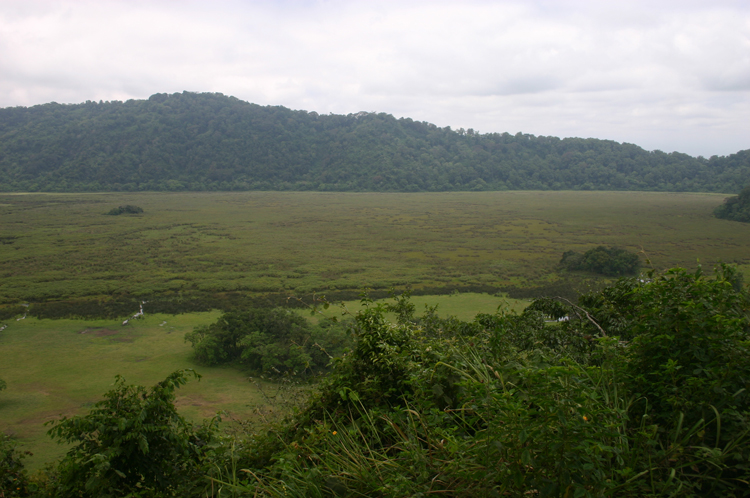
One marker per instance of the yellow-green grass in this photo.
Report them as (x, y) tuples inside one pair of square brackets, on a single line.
[(464, 306), (61, 367), (298, 242)]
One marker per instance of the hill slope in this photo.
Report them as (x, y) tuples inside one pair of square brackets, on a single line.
[(204, 141)]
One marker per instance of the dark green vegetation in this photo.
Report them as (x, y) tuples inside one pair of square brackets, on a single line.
[(197, 251), (126, 209), (609, 261), (196, 142), (14, 480), (736, 208), (642, 392), (509, 404), (267, 341), (132, 442)]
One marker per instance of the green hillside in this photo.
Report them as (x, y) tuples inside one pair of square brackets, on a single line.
[(193, 141)]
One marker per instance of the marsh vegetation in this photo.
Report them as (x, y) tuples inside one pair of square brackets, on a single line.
[(201, 250)]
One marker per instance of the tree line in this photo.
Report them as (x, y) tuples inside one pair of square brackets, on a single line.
[(208, 141)]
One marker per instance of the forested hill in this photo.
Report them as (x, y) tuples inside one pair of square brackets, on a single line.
[(205, 141)]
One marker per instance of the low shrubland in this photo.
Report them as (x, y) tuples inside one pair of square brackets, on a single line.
[(640, 389)]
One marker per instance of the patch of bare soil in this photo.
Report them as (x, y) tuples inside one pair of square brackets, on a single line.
[(107, 333)]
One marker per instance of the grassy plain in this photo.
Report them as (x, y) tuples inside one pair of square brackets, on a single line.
[(464, 306), (57, 246), (61, 367)]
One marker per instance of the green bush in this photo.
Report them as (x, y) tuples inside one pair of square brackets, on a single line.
[(132, 443), (14, 480), (268, 341), (612, 262), (127, 209), (510, 405)]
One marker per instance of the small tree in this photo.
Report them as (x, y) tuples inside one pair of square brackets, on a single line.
[(134, 440)]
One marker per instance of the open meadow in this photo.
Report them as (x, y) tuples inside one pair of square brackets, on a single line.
[(63, 247), (61, 367)]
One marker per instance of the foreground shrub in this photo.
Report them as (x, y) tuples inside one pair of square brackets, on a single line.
[(132, 443), (511, 405), (14, 480)]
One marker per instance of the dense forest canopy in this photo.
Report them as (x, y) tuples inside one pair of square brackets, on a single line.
[(192, 141)]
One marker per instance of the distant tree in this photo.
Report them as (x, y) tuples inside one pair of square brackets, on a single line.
[(736, 208), (612, 262), (127, 209)]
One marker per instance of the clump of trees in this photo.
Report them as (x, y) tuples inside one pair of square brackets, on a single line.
[(127, 209), (736, 208), (268, 341), (609, 261)]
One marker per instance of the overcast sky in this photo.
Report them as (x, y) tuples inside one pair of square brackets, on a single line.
[(661, 74)]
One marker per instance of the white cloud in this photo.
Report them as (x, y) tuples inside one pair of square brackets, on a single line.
[(673, 76)]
